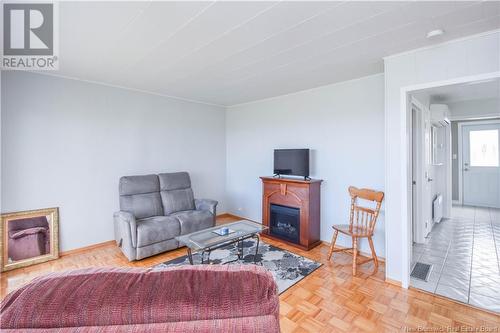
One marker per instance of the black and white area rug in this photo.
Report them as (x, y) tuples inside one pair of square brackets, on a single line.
[(286, 267)]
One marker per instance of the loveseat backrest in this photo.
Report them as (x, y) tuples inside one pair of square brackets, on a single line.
[(140, 195), (176, 192)]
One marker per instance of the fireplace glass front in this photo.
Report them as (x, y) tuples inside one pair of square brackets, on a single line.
[(285, 223)]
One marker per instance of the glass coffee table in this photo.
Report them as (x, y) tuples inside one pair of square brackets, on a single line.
[(207, 240)]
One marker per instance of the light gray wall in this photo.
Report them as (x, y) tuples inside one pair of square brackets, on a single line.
[(478, 108), (343, 125), (65, 143)]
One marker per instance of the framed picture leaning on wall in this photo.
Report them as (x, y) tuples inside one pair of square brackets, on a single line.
[(29, 237)]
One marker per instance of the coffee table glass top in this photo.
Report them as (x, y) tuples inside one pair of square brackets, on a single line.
[(207, 238)]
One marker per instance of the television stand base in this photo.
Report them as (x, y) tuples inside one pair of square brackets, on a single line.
[(276, 175)]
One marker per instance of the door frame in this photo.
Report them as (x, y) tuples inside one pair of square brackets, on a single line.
[(460, 152)]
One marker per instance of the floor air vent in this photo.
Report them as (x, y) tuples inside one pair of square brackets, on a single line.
[(421, 271)]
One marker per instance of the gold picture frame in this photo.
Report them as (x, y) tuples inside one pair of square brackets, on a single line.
[(52, 220)]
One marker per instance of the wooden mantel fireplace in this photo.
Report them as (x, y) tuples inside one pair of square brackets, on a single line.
[(291, 210)]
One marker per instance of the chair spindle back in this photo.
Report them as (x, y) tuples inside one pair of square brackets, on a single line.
[(363, 219)]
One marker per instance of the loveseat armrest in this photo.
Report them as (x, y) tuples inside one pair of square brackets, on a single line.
[(206, 204), (125, 227)]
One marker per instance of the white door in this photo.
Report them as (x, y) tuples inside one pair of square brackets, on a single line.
[(427, 176), (480, 164), (417, 238), (421, 174)]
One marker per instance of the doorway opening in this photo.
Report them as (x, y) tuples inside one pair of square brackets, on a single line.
[(455, 179)]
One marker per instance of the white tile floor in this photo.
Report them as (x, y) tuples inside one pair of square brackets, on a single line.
[(464, 252)]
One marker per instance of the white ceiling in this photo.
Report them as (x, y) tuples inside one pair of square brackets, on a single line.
[(488, 89), (233, 52)]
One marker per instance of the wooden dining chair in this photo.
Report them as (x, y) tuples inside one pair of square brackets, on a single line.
[(361, 225)]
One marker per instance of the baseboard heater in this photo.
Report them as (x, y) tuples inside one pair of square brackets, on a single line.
[(437, 209)]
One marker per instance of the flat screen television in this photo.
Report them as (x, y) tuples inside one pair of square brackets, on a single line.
[(291, 162)]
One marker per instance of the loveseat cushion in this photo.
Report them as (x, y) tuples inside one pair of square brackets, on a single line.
[(156, 229), (177, 200), (194, 220), (176, 192), (140, 196), (130, 185), (142, 205), (174, 181)]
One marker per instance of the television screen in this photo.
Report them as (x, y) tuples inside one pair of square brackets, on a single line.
[(293, 162)]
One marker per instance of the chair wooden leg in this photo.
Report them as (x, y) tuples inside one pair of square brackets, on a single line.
[(374, 255), (332, 246), (354, 254)]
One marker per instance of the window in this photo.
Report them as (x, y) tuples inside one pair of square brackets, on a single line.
[(484, 148)]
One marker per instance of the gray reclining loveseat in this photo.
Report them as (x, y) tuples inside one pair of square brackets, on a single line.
[(154, 209)]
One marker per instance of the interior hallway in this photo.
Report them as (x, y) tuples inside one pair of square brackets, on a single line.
[(464, 253)]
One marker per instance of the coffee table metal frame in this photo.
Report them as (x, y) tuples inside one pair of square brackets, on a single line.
[(238, 240)]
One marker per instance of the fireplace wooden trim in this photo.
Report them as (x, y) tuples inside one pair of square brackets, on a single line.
[(302, 194), (284, 193)]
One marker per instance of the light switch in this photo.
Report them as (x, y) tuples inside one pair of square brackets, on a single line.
[(454, 156)]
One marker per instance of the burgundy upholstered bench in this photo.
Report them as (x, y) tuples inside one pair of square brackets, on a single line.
[(228, 298)]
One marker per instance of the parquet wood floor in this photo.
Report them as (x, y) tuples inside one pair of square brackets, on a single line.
[(328, 300)]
